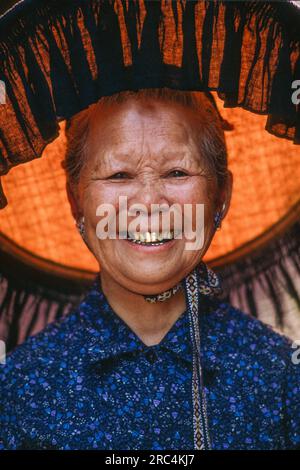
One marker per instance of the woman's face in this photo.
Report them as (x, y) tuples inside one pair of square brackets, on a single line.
[(149, 154)]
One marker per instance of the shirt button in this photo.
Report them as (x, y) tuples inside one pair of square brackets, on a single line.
[(151, 356)]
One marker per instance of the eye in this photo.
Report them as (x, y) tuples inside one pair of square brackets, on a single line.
[(121, 175), (176, 174)]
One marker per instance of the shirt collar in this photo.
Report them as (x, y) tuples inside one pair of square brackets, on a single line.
[(108, 336)]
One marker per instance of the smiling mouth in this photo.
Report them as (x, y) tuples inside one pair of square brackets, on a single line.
[(150, 238)]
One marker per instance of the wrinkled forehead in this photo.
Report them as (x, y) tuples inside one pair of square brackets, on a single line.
[(146, 125)]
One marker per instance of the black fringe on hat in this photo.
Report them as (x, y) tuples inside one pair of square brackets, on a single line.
[(57, 57)]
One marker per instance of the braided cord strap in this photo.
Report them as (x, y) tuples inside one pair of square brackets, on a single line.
[(208, 284), (200, 421), (163, 296), (201, 281)]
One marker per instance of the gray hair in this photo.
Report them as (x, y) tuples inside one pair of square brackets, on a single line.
[(211, 142)]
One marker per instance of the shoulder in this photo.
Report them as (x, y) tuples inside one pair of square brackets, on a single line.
[(46, 344), (46, 371), (244, 328), (45, 367), (32, 364), (60, 339), (59, 347), (259, 365), (244, 340), (276, 361), (27, 378)]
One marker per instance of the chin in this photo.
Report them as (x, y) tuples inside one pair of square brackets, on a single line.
[(150, 279)]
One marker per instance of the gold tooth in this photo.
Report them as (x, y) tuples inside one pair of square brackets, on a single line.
[(151, 237)]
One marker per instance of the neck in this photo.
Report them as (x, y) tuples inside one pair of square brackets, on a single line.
[(149, 321)]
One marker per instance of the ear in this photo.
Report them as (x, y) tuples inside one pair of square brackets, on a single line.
[(73, 200), (226, 194)]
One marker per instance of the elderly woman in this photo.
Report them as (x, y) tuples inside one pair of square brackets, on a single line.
[(151, 358)]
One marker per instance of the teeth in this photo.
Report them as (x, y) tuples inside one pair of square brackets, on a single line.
[(151, 237), (167, 235)]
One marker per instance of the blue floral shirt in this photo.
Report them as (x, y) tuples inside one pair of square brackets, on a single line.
[(88, 382)]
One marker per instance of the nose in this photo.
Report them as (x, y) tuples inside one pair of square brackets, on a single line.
[(150, 191), (149, 194)]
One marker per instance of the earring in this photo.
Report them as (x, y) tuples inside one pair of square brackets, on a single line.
[(218, 218), (80, 226)]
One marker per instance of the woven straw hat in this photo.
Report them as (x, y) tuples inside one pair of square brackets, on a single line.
[(55, 61)]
